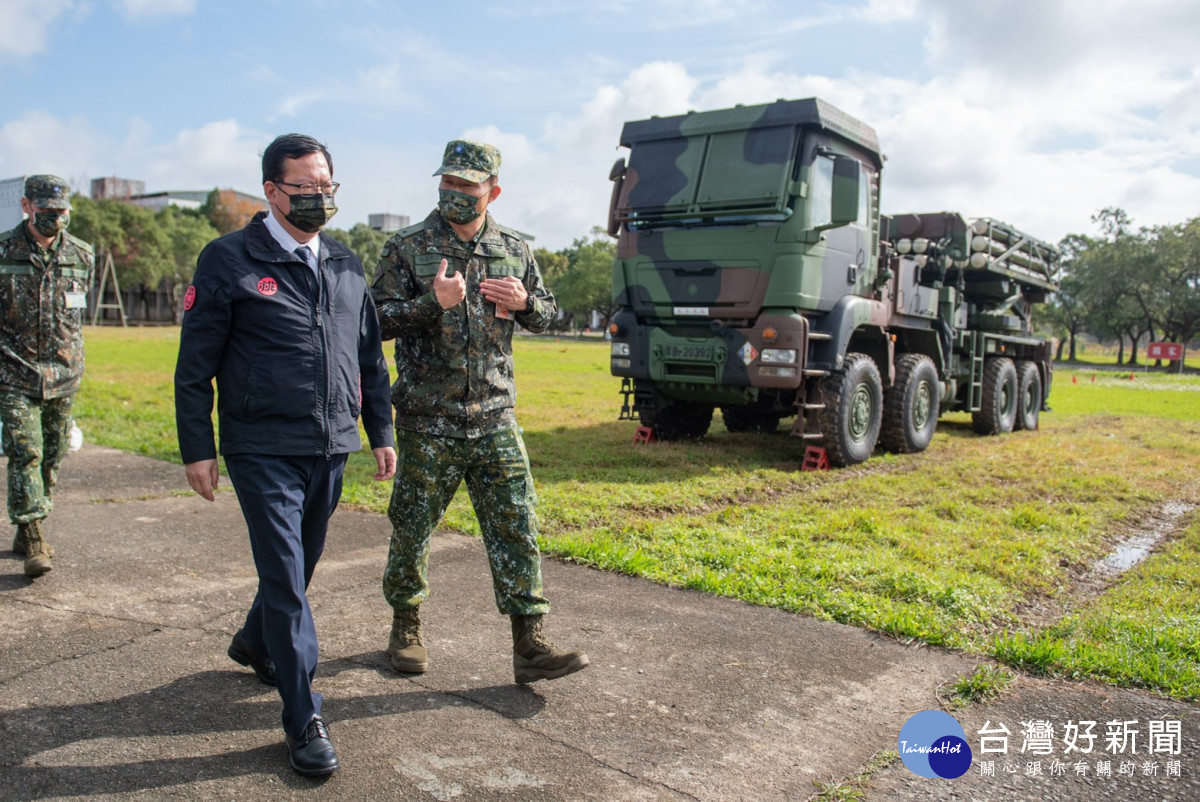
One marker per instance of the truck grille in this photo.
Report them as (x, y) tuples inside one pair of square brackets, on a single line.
[(690, 371)]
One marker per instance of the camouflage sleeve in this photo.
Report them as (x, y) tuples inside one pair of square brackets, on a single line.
[(374, 379), (399, 300), (545, 308)]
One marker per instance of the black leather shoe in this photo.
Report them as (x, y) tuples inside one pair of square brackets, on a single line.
[(240, 652), (313, 755)]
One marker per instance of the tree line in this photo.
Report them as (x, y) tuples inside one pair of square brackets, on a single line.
[(156, 250), (1128, 284), (1122, 284)]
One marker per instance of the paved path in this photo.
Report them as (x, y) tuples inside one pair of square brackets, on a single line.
[(114, 681)]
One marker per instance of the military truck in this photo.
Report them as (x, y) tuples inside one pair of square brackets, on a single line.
[(755, 274)]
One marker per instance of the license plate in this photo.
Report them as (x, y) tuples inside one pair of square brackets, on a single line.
[(693, 352), (691, 311)]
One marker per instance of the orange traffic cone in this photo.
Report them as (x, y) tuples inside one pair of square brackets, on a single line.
[(1074, 380)]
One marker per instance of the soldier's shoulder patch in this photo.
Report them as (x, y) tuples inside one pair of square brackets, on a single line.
[(408, 231), (512, 233), (86, 247)]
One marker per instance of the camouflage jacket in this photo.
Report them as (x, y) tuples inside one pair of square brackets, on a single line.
[(454, 367), (43, 305)]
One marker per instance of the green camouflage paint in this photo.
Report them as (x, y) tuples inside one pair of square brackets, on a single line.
[(496, 469), (42, 305), (35, 440), (758, 229)]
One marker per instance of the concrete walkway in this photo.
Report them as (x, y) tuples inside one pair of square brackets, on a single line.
[(114, 681)]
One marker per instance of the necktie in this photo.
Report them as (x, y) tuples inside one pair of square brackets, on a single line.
[(310, 258)]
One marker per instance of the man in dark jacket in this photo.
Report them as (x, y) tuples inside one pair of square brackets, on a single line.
[(45, 275), (281, 317)]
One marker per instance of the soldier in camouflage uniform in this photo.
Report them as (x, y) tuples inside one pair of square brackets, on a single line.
[(449, 290), (45, 275)]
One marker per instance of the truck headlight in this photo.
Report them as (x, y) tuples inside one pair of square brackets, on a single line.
[(621, 363), (620, 349), (782, 372), (778, 356)]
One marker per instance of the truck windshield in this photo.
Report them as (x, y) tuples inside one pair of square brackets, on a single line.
[(717, 178)]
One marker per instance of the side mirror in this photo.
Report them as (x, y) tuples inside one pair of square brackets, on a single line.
[(617, 176)]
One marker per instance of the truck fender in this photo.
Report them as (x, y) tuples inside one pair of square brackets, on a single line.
[(848, 315)]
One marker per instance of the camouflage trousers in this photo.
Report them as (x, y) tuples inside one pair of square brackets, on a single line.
[(35, 441), (429, 470)]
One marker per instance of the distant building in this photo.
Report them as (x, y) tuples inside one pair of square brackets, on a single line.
[(113, 188), (387, 222), (191, 199), (11, 192)]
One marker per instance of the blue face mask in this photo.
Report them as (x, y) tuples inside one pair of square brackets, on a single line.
[(458, 207)]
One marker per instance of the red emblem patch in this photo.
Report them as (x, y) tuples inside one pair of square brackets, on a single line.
[(189, 298), (267, 286)]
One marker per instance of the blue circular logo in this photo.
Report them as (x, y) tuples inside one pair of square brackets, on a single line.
[(933, 744)]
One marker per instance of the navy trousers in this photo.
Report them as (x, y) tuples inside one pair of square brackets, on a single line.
[(286, 502)]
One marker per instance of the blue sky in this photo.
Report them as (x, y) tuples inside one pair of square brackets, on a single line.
[(1038, 112)]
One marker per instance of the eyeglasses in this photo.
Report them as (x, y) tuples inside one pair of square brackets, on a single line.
[(313, 189)]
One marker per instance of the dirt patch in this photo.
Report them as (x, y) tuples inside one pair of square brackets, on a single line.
[(1158, 527)]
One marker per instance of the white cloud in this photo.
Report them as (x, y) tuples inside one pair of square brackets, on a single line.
[(221, 153), (138, 9), (24, 24), (39, 142)]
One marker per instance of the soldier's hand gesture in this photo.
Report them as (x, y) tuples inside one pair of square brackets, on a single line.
[(450, 290)]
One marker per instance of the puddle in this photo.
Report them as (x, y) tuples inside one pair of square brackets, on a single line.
[(1136, 548)]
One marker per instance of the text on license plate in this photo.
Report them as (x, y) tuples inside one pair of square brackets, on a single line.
[(699, 352)]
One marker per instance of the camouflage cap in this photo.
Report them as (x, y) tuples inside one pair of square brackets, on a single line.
[(48, 192), (473, 161)]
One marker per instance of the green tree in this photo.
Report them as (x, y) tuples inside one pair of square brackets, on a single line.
[(1116, 275), (366, 242), (1177, 279), (188, 232), (553, 265), (148, 248), (586, 284)]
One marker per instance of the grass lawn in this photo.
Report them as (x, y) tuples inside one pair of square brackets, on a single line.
[(955, 546)]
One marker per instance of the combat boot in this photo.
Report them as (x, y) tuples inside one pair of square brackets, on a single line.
[(405, 650), (37, 551), (19, 544), (535, 657)]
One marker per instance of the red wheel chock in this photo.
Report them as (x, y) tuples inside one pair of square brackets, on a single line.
[(815, 459), (643, 434)]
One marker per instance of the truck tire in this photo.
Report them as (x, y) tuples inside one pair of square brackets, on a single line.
[(853, 413), (746, 419), (998, 413), (910, 405), (1029, 395), (679, 421)]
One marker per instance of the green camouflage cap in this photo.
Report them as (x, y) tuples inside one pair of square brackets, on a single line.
[(473, 161), (48, 192)]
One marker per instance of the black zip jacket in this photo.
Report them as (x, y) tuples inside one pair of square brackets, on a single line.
[(296, 359)]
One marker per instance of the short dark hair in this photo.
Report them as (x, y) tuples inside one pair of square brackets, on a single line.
[(290, 146)]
